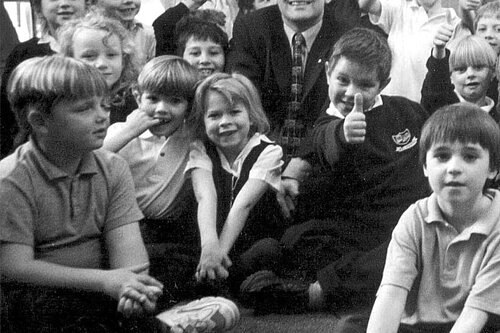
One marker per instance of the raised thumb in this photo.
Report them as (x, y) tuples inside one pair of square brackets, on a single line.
[(448, 16), (358, 103)]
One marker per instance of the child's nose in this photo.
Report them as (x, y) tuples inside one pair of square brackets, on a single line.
[(224, 120), (63, 3), (101, 63), (161, 108), (204, 58), (454, 165), (352, 90)]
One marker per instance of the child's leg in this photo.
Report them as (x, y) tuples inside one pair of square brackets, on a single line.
[(30, 309)]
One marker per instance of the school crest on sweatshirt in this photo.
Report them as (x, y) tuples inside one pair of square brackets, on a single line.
[(404, 140)]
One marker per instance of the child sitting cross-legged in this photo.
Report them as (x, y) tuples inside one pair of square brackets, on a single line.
[(235, 170), (441, 272), (155, 143), (70, 248), (463, 75), (71, 252)]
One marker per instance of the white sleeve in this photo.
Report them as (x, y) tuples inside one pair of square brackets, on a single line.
[(198, 157), (389, 8), (268, 166)]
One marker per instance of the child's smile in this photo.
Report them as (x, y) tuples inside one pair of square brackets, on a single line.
[(227, 126)]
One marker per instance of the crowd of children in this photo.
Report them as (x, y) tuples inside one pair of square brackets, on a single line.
[(139, 174)]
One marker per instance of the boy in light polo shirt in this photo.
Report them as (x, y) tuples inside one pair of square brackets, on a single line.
[(442, 271)]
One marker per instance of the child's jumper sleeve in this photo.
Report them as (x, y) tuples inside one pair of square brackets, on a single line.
[(328, 138), (437, 89)]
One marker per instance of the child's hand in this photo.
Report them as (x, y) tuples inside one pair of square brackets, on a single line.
[(443, 36), (470, 4), (139, 121), (128, 283), (213, 263), (355, 122), (287, 196), (132, 308)]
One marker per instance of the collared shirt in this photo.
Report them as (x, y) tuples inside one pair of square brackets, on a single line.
[(267, 167), (45, 38), (489, 102), (309, 36), (157, 165), (65, 217), (144, 41), (442, 269), (333, 111)]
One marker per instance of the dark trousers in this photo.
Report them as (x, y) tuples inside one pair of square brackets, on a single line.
[(347, 263), (27, 309)]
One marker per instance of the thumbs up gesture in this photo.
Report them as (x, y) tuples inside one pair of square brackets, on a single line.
[(444, 32), (355, 122)]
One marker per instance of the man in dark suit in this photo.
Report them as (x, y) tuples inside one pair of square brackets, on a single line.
[(261, 49)]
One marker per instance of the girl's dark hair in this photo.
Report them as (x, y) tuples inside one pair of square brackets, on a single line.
[(465, 123)]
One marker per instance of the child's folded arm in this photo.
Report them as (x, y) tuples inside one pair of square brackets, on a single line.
[(246, 199), (19, 264), (388, 309)]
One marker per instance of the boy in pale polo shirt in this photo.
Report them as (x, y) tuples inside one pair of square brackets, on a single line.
[(442, 270)]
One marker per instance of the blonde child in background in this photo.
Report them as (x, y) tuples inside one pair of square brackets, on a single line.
[(103, 43), (411, 26), (50, 15), (143, 35), (235, 170), (465, 75)]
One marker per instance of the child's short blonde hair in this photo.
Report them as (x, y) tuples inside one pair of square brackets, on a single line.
[(169, 76), (235, 88), (41, 82), (489, 10), (95, 20), (472, 51)]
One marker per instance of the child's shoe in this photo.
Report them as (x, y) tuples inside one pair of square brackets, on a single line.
[(207, 314), (266, 293)]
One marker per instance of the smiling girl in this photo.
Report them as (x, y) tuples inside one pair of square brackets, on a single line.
[(235, 171)]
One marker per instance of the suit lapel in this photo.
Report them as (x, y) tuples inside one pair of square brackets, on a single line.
[(280, 53), (319, 54)]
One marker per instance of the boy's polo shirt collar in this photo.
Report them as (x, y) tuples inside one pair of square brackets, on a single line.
[(333, 111), (88, 163), (489, 102), (482, 226)]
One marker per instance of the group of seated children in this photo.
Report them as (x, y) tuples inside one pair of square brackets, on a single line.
[(88, 210)]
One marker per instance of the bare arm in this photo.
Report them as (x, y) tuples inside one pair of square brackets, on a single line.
[(387, 310), (471, 320), (372, 7), (246, 199), (213, 262)]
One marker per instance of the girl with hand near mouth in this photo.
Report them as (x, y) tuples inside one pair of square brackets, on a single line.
[(104, 43), (462, 75), (235, 170)]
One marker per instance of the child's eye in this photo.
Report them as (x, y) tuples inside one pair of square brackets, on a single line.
[(215, 52), (342, 80), (87, 56), (470, 157), (175, 100), (442, 156), (194, 53), (461, 69), (213, 116), (152, 98)]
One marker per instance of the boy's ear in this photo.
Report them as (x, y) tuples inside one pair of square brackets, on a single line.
[(137, 96), (493, 174), (425, 170), (327, 64), (37, 121), (384, 84)]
